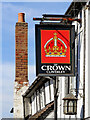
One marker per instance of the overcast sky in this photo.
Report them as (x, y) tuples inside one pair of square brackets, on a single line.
[(10, 12)]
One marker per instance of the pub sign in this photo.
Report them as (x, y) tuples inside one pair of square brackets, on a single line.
[(55, 50)]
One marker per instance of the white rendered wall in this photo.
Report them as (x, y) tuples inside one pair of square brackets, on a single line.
[(35, 109), (38, 103), (59, 101), (47, 93), (88, 70), (18, 99), (87, 66), (61, 95), (52, 90), (27, 106), (42, 97), (73, 79), (32, 99)]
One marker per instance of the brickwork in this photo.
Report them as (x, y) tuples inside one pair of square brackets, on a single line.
[(21, 39), (21, 83)]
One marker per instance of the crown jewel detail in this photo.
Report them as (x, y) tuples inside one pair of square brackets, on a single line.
[(55, 47)]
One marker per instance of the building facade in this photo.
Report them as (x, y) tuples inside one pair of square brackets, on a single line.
[(37, 100), (40, 97)]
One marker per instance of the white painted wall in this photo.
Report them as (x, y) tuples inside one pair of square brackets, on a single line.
[(27, 106), (81, 59), (38, 103), (59, 101), (42, 97), (47, 93), (38, 99), (52, 90), (87, 61), (35, 109), (87, 66), (18, 99), (32, 99), (61, 91), (61, 95)]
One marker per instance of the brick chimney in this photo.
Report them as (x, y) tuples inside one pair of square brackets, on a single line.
[(21, 39), (21, 64)]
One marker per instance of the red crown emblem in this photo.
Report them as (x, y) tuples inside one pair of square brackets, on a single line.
[(55, 47)]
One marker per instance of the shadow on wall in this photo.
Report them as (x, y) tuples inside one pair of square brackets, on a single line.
[(81, 114), (78, 70), (78, 64)]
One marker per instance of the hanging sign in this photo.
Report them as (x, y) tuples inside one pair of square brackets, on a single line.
[(55, 50)]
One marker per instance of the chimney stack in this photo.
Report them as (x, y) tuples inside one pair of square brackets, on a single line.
[(21, 17), (21, 64), (21, 39)]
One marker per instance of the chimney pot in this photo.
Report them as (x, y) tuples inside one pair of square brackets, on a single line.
[(21, 17)]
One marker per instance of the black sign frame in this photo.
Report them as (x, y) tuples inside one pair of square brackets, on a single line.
[(39, 65)]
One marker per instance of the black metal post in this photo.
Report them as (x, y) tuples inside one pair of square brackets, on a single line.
[(55, 99), (55, 15), (24, 107)]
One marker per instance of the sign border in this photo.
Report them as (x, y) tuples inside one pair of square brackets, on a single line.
[(39, 27)]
